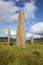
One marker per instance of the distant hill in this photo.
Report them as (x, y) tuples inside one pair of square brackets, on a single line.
[(37, 40), (5, 39)]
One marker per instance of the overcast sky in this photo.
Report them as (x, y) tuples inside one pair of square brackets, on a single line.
[(33, 10)]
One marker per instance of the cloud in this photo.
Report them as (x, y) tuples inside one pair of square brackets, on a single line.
[(30, 9), (28, 35), (8, 13), (37, 28), (17, 0), (13, 32), (4, 33), (7, 10), (13, 17)]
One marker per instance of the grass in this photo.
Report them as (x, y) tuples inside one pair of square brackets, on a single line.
[(11, 55)]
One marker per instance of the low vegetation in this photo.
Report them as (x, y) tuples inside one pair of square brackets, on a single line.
[(11, 55)]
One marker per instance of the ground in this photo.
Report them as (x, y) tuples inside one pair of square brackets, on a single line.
[(11, 55)]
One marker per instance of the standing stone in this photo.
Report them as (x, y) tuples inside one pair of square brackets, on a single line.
[(31, 40), (9, 35), (20, 39)]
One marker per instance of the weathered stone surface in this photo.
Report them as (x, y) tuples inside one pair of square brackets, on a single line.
[(20, 39), (9, 35), (31, 40)]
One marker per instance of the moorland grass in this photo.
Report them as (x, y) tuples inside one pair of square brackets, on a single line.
[(11, 55)]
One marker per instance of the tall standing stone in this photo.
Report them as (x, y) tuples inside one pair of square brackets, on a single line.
[(9, 35), (20, 39), (31, 40)]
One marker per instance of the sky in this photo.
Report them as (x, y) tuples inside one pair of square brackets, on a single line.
[(9, 12)]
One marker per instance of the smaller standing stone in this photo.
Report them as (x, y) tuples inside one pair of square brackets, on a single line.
[(9, 35), (31, 40)]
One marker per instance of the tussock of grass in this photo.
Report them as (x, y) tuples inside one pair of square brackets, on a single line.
[(10, 55)]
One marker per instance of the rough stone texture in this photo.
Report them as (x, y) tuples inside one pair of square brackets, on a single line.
[(31, 40), (20, 39), (9, 35)]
